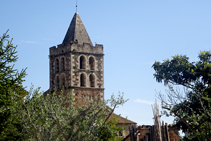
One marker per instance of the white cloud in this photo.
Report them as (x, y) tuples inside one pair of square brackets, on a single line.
[(142, 101), (46, 39), (29, 42)]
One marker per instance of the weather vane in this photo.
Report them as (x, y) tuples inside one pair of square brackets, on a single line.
[(76, 5)]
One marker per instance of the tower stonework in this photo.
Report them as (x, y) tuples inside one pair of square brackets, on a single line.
[(76, 65)]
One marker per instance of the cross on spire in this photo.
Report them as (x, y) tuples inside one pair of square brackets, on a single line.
[(76, 5)]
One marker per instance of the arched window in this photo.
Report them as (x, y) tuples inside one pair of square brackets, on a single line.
[(83, 80), (91, 80), (91, 63), (57, 65), (63, 80), (82, 62), (57, 81), (62, 64)]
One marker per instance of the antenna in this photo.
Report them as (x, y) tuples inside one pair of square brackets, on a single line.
[(76, 5)]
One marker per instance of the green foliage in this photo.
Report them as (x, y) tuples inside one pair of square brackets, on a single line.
[(104, 133), (57, 116), (34, 116), (110, 131), (10, 79), (191, 106)]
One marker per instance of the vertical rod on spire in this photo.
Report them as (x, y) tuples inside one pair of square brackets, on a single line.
[(76, 5)]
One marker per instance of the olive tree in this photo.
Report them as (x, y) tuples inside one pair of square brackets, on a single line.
[(57, 116), (188, 98)]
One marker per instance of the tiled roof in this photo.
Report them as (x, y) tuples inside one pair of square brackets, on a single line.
[(120, 120)]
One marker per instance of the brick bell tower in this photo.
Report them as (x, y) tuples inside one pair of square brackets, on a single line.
[(76, 65)]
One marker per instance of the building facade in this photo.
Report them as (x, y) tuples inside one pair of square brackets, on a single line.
[(76, 66)]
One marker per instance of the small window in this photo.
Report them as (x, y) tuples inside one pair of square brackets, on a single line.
[(62, 64), (82, 62), (63, 80), (91, 63), (83, 80), (91, 80), (85, 98), (57, 65)]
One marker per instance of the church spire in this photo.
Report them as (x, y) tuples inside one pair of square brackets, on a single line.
[(77, 32), (76, 5)]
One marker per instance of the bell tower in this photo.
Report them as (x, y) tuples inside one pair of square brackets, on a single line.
[(76, 65)]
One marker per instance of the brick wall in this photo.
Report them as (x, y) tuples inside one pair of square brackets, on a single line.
[(145, 132)]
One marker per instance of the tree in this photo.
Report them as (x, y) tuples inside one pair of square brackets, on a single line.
[(59, 117), (189, 94), (10, 80)]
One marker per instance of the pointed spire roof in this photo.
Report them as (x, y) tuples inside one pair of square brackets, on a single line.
[(77, 32)]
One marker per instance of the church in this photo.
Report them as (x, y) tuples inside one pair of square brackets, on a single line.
[(77, 65)]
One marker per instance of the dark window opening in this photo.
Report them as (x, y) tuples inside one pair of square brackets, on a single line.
[(62, 64), (83, 80), (57, 65), (92, 80), (63, 80), (82, 62), (91, 63)]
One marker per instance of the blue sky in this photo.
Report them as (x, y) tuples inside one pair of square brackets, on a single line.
[(134, 33)]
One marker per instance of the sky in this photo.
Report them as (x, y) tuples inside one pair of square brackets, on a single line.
[(134, 34)]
